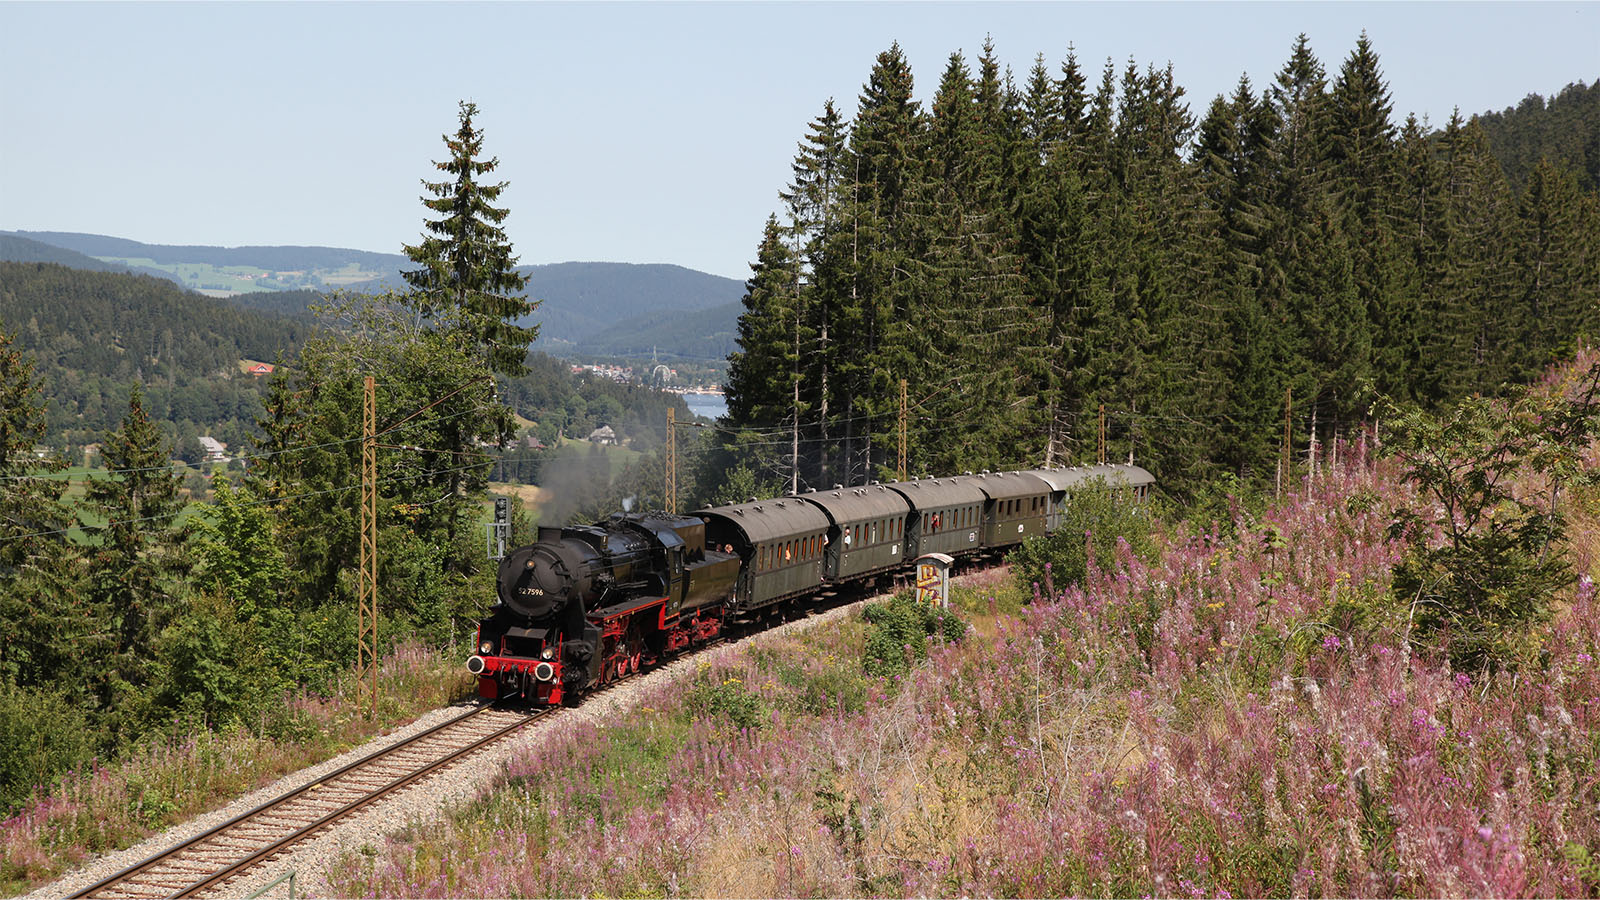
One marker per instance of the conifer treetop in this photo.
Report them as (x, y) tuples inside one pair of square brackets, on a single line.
[(467, 264)]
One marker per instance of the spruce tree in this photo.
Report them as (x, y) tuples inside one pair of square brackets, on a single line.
[(1554, 248), (765, 374), (875, 245), (135, 570), (1234, 171), (1362, 173), (43, 611), (465, 258), (814, 198)]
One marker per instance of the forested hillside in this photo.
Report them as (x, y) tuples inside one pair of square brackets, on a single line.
[(703, 335), (587, 307), (282, 258), (585, 303), (21, 249), (1027, 253), (1564, 129), (94, 334)]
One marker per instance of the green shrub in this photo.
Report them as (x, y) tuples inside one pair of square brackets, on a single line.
[(833, 689), (724, 695), (42, 735), (1096, 517), (211, 670), (898, 633), (1482, 590)]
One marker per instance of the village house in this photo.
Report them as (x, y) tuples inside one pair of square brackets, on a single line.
[(216, 451)]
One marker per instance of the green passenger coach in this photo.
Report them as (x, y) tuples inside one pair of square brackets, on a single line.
[(948, 517), (1014, 509), (780, 542), (867, 530)]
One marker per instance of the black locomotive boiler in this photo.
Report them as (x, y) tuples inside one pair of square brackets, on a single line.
[(585, 605)]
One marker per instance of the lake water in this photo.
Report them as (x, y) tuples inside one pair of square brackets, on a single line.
[(712, 406)]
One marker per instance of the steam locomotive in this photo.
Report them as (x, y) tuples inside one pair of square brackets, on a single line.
[(585, 605)]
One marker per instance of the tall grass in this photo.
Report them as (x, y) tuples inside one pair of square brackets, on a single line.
[(1241, 716), (107, 806)]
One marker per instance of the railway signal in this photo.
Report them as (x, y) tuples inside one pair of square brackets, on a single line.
[(498, 532)]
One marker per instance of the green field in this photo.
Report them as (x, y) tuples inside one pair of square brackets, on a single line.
[(222, 280), (85, 533)]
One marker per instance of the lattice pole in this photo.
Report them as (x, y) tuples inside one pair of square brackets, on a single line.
[(672, 460), (367, 599)]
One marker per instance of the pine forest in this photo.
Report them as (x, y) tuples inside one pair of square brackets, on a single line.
[(1031, 255)]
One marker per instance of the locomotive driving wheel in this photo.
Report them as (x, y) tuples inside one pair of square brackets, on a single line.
[(633, 650)]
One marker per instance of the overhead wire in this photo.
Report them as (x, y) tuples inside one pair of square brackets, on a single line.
[(263, 501), (252, 457)]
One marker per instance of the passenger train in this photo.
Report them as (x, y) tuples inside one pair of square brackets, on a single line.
[(585, 605)]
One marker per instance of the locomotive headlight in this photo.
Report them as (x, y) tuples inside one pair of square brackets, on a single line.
[(486, 647), (547, 653)]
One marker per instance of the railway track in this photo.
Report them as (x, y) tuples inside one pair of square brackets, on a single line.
[(207, 863)]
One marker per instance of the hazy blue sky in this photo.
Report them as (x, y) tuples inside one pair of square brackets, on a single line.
[(629, 132)]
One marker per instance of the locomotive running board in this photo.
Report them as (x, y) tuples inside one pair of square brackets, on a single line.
[(609, 613)]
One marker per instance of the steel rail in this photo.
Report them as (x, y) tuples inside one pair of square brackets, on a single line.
[(300, 833)]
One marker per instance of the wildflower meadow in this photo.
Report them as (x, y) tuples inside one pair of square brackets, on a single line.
[(1246, 714)]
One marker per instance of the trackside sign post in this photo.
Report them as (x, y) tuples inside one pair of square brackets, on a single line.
[(933, 579)]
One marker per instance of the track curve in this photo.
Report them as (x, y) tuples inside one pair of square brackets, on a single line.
[(207, 863)]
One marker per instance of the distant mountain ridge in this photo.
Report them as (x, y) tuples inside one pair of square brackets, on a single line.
[(282, 257), (20, 249), (599, 308)]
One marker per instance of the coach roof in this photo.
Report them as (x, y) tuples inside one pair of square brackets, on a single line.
[(1114, 474), (859, 504), (938, 493), (1010, 485), (763, 521)]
